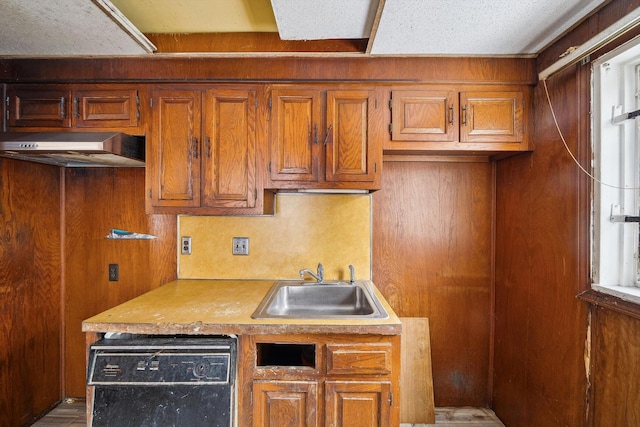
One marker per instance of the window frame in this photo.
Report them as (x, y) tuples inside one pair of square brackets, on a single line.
[(615, 245)]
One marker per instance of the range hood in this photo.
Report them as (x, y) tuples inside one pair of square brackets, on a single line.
[(75, 149)]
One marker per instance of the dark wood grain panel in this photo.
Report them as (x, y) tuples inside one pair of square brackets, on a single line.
[(606, 16), (432, 258), (97, 200), (30, 290), (249, 43), (277, 68), (615, 363), (541, 326)]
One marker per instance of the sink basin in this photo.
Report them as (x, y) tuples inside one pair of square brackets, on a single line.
[(331, 300)]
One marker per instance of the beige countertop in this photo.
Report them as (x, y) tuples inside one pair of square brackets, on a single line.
[(210, 307)]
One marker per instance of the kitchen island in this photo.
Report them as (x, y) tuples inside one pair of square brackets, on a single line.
[(336, 372)]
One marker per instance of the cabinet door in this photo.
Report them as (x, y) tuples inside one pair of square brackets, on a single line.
[(358, 404), (229, 157), (353, 152), (295, 135), (424, 115), (493, 117), (174, 150), (285, 404), (38, 107), (106, 108)]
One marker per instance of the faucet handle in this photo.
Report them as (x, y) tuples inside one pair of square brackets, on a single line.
[(352, 273)]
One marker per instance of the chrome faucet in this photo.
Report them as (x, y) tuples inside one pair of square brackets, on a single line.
[(319, 276)]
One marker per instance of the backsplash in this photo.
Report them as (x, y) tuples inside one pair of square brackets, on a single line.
[(334, 229)]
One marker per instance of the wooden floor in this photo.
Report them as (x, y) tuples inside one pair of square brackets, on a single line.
[(71, 413)]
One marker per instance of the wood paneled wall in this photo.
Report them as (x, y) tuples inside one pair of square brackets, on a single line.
[(432, 257), (616, 373), (555, 364), (30, 290), (541, 326), (96, 200)]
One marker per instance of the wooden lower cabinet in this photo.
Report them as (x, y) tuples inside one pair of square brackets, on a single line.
[(285, 403), (358, 403), (324, 380)]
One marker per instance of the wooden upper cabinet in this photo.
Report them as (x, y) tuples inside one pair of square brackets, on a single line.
[(491, 117), (351, 147), (38, 107), (325, 138), (296, 116), (203, 151), (173, 165), (106, 108), (424, 115), (98, 107), (229, 152), (443, 119)]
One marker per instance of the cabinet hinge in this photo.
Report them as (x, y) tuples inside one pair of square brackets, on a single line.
[(390, 104), (390, 398), (390, 129), (151, 193)]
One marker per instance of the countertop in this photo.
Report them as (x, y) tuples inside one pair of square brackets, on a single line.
[(224, 307)]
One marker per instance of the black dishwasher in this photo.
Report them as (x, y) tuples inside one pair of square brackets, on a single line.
[(162, 381)]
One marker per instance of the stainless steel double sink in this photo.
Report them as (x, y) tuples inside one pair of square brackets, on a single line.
[(294, 299)]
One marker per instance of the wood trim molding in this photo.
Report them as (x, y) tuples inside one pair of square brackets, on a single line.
[(610, 302), (270, 67)]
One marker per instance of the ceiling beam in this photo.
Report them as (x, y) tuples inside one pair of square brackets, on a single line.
[(374, 27)]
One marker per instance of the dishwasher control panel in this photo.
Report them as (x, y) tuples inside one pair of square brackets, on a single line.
[(166, 361)]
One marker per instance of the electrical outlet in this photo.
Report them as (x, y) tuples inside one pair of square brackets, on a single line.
[(114, 272), (185, 245), (240, 246)]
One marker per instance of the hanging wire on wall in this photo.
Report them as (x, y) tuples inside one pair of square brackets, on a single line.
[(566, 146)]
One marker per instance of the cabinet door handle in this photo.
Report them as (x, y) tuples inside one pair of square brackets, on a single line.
[(326, 137), (62, 112), (464, 115), (208, 143), (451, 114), (195, 147), (76, 107)]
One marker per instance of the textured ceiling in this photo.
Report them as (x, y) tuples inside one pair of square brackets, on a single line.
[(63, 28), (393, 27)]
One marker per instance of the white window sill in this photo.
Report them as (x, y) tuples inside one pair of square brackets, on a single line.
[(626, 293)]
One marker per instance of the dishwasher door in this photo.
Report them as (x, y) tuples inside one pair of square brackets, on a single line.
[(163, 381)]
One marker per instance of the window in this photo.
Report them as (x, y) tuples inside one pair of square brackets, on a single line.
[(616, 164)]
